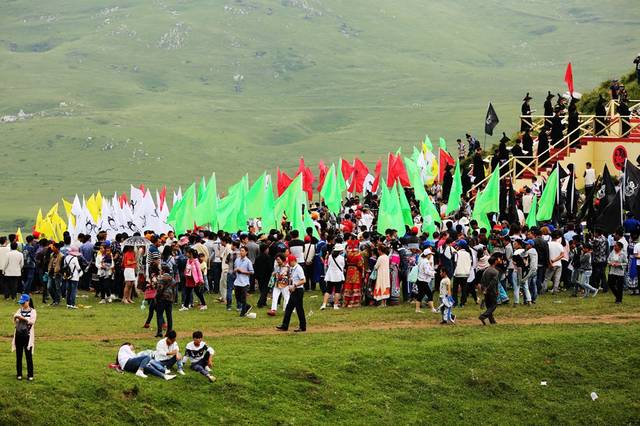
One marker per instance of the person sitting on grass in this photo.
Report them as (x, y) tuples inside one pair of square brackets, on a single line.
[(168, 352), (140, 364), (200, 355)]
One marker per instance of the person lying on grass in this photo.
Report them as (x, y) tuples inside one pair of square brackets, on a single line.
[(139, 364), (200, 355)]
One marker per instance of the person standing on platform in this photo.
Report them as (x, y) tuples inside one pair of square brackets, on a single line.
[(525, 117)]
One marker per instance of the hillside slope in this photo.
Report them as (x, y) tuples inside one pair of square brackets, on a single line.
[(160, 92)]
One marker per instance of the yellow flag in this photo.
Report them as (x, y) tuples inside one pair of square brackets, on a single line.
[(39, 220), (19, 236), (99, 202), (92, 206), (53, 211), (67, 208), (46, 229)]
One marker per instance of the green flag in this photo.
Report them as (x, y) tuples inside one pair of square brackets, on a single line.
[(389, 213), (268, 216), (207, 208), (331, 191), (342, 185), (429, 210), (548, 198), (428, 225), (232, 208), (183, 218), (443, 144), (405, 208), (415, 155), (488, 200), (531, 217), (415, 178), (453, 203), (202, 189), (256, 197), (290, 202)]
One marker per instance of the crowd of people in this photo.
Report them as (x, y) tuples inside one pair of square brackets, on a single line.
[(346, 256)]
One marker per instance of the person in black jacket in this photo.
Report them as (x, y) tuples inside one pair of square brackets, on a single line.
[(517, 153), (478, 167), (527, 147), (525, 118), (557, 128), (489, 286), (165, 295), (542, 248), (543, 145), (548, 109), (262, 270), (573, 123)]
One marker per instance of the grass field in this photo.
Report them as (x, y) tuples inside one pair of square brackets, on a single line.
[(363, 366), (164, 91)]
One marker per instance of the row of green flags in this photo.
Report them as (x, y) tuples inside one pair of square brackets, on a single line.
[(203, 207)]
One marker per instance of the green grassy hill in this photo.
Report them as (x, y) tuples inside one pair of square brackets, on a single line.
[(162, 91)]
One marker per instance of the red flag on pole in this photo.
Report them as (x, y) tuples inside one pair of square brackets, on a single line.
[(283, 181), (323, 174), (376, 180), (347, 169), (568, 78), (163, 196), (391, 170), (443, 160), (307, 178), (360, 172), (401, 172)]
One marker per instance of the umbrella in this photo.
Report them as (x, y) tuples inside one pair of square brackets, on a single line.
[(136, 241)]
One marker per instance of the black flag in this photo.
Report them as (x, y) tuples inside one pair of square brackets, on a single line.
[(571, 200), (606, 191), (610, 218), (631, 189), (491, 120)]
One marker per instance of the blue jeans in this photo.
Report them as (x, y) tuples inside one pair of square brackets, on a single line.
[(29, 274), (62, 288), (201, 365), (585, 276), (533, 286), (231, 278), (136, 363), (168, 363), (72, 289), (54, 288)]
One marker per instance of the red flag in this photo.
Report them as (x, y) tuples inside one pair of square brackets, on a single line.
[(323, 174), (376, 180), (568, 78), (401, 171), (144, 192), (391, 170), (122, 199), (347, 169), (360, 172), (307, 178), (283, 181), (443, 159), (163, 196)]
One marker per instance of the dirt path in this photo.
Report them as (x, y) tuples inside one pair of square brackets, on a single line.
[(372, 326)]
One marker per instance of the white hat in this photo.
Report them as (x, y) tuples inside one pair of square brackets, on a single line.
[(338, 247), (464, 220), (427, 251), (518, 252)]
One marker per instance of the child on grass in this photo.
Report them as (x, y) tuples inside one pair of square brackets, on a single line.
[(200, 355), (446, 298)]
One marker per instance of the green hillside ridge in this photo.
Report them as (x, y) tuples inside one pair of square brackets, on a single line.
[(162, 92)]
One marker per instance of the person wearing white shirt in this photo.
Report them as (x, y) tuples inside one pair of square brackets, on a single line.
[(527, 200), (4, 251), (334, 277), (132, 363), (168, 352), (12, 270), (589, 177), (296, 288), (556, 254), (426, 274)]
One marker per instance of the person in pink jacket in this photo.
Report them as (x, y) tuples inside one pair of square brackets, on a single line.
[(24, 335), (193, 280)]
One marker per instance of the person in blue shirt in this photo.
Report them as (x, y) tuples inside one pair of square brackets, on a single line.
[(243, 269)]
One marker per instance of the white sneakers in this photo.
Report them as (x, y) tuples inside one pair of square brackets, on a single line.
[(181, 372), (322, 307), (140, 373), (207, 368), (103, 301), (336, 307), (169, 376), (203, 307), (184, 308)]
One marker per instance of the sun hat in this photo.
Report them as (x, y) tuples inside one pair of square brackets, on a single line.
[(74, 251), (427, 252), (183, 241)]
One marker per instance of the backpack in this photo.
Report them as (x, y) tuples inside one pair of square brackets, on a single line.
[(29, 260), (65, 270)]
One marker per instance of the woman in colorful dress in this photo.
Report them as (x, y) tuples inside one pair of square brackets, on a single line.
[(382, 289), (394, 274), (354, 275)]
